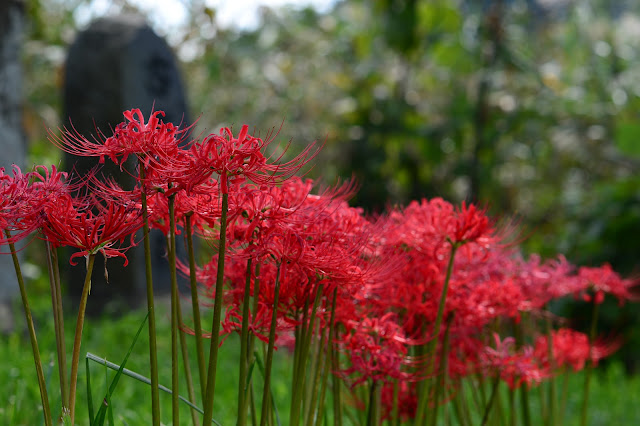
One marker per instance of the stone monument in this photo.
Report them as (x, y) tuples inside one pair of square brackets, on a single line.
[(117, 64), (12, 137)]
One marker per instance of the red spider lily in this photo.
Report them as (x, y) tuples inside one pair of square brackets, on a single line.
[(514, 367), (540, 281), (428, 224), (571, 348), (258, 324), (15, 202), (425, 232), (23, 196), (603, 280), (236, 159), (317, 240), (148, 140), (376, 349), (259, 209), (470, 224), (132, 137), (69, 224), (407, 400)]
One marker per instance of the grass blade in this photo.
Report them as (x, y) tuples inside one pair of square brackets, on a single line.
[(89, 394), (99, 420), (143, 379), (108, 397)]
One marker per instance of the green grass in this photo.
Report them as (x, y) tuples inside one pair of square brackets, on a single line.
[(614, 397), (110, 339)]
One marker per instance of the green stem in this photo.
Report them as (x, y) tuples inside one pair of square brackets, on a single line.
[(442, 374), (524, 392), (394, 410), (589, 365), (301, 366), (373, 414), (244, 343), (269, 360), (474, 384), (524, 405), (46, 410), (187, 370), (335, 363), (565, 394), (175, 368), (153, 350), (512, 407), (443, 296), (78, 337), (298, 381), (494, 391), (317, 365), (58, 320), (195, 306), (252, 344), (217, 308), (544, 415), (423, 400), (551, 382), (326, 368), (460, 408)]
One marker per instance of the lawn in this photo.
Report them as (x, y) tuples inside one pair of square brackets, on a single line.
[(614, 396)]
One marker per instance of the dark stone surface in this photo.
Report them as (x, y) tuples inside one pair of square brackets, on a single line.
[(12, 141), (117, 64)]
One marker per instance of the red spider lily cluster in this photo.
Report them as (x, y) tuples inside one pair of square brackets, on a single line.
[(428, 290)]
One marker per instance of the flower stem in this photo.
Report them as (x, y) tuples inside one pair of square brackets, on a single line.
[(195, 306), (494, 391), (335, 363), (524, 391), (297, 386), (317, 367), (58, 320), (217, 308), (269, 360), (187, 369), (423, 401), (244, 343), (394, 410), (565, 394), (373, 414), (551, 397), (153, 351), (175, 368), (32, 334), (589, 365), (326, 371), (442, 374), (301, 367), (78, 337), (250, 399)]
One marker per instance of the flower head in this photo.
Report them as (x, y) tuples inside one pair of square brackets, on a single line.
[(236, 159), (90, 226)]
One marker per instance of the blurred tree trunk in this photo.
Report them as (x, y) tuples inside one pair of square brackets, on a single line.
[(491, 46), (12, 137)]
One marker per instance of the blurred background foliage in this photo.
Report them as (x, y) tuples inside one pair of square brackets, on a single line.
[(530, 107)]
